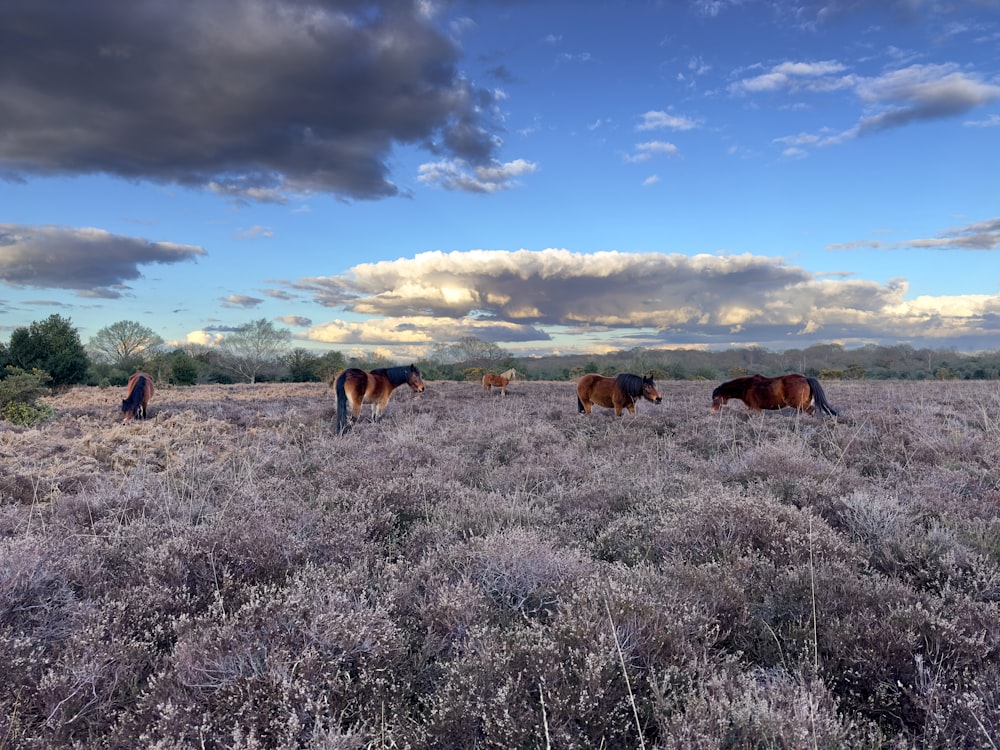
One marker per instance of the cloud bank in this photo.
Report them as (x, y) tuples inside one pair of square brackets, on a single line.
[(528, 299)]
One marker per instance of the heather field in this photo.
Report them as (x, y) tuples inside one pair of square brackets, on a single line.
[(501, 572)]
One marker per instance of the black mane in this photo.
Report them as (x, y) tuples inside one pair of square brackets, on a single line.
[(630, 384), (398, 375), (131, 404)]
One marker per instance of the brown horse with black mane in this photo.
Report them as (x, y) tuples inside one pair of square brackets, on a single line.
[(758, 392), (619, 392), (356, 387), (140, 391), (500, 381)]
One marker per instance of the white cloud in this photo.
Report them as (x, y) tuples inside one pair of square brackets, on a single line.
[(456, 174), (655, 120), (646, 151), (796, 77)]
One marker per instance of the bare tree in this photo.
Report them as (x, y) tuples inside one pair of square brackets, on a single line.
[(123, 342), (253, 347), (471, 350)]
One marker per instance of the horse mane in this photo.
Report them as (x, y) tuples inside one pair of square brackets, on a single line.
[(630, 384), (397, 375), (735, 387), (134, 398), (509, 374)]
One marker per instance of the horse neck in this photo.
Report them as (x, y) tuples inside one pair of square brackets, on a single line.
[(734, 388), (397, 375), (631, 384)]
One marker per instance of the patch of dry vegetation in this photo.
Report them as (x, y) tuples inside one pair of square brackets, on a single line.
[(486, 571)]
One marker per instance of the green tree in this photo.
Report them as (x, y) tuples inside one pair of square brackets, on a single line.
[(52, 346), (329, 364), (183, 369), (302, 366), (123, 343), (252, 348)]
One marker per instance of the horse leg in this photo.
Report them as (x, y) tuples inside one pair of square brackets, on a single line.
[(379, 407)]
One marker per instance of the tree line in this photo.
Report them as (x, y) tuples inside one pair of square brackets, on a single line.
[(53, 352)]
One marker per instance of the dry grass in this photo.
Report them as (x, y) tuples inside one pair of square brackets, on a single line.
[(487, 571)]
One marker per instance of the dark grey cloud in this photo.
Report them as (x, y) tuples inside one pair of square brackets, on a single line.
[(92, 262), (922, 92), (250, 98), (240, 301)]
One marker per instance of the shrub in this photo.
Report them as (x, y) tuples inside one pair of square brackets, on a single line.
[(19, 392)]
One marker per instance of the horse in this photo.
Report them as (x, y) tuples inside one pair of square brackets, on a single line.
[(619, 392), (500, 381), (140, 391), (759, 392), (356, 387)]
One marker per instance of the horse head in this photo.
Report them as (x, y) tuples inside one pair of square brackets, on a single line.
[(415, 381), (128, 412), (718, 399), (649, 390)]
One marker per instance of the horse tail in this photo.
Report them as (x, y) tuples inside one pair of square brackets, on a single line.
[(139, 392), (820, 397), (341, 403)]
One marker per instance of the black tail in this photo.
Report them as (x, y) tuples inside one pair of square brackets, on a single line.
[(820, 397), (341, 404)]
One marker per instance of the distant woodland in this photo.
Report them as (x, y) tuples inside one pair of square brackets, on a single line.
[(51, 352)]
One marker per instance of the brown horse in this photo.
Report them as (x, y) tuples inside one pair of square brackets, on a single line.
[(500, 381), (758, 392), (619, 392), (140, 391), (356, 387)]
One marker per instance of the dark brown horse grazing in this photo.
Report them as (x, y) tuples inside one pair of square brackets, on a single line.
[(140, 391), (619, 392), (356, 387), (500, 381), (758, 392)]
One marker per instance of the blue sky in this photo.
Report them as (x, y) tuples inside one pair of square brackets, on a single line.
[(549, 176)]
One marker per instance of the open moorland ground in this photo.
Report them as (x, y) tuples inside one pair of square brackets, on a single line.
[(496, 572)]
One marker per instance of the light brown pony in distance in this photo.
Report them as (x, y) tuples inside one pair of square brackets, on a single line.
[(140, 391), (618, 393), (500, 381), (759, 392), (356, 387)]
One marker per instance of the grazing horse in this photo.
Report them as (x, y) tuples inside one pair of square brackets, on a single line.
[(140, 391), (619, 392), (758, 393), (500, 381), (356, 387)]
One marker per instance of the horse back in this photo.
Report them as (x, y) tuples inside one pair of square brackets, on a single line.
[(596, 389), (354, 384)]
